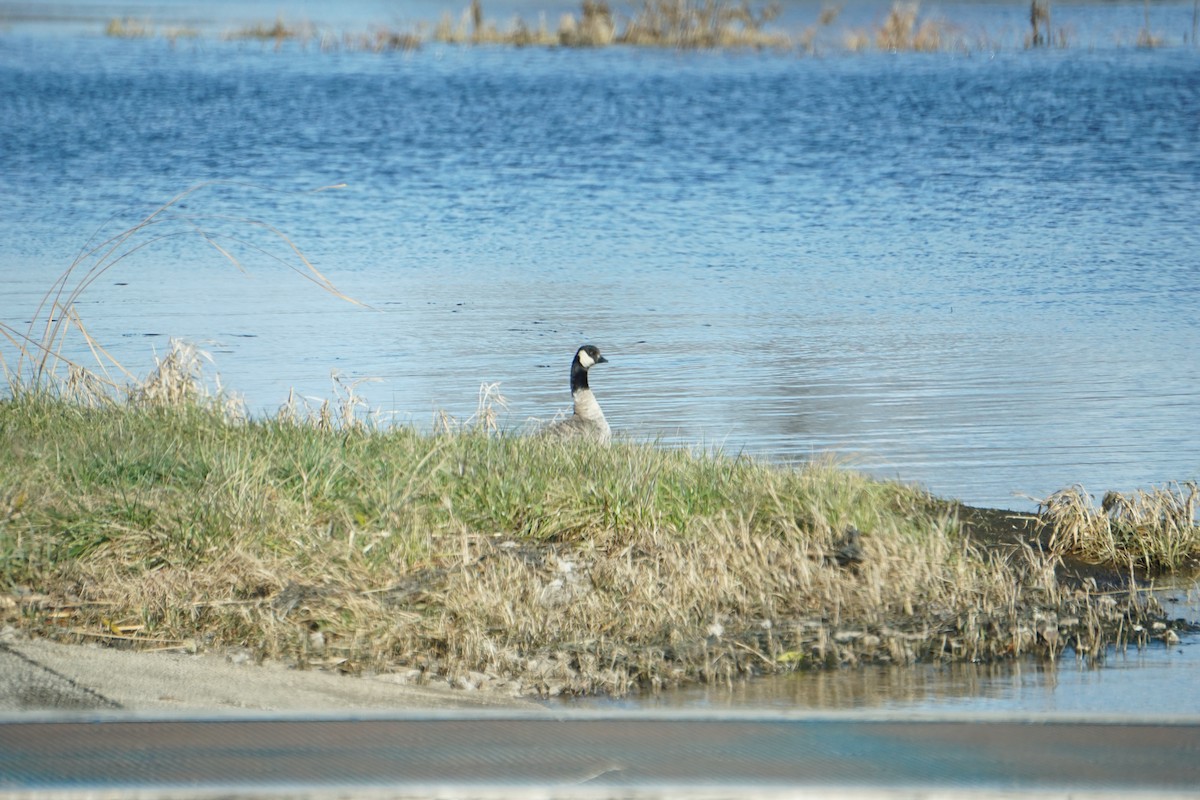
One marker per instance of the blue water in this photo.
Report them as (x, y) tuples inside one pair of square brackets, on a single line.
[(977, 272)]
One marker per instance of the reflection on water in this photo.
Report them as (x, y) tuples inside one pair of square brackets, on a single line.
[(1155, 681)]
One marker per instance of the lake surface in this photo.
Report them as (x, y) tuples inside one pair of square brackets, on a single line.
[(977, 272)]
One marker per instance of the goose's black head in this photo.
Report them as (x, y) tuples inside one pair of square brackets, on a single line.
[(585, 358)]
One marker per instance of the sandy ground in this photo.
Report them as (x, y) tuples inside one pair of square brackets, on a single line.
[(39, 675)]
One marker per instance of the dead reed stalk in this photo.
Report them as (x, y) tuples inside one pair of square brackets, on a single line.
[(900, 31), (40, 348)]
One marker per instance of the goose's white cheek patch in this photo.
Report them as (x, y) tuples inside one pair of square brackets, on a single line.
[(585, 360)]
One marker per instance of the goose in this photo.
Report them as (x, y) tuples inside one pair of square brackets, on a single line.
[(588, 420)]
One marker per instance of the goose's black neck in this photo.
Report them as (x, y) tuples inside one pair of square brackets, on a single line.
[(578, 376)]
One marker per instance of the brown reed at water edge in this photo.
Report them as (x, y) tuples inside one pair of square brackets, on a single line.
[(37, 363), (159, 514), (1155, 530)]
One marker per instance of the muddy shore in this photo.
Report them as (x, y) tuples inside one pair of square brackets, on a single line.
[(1002, 530)]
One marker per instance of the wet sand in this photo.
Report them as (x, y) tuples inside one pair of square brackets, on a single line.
[(38, 675)]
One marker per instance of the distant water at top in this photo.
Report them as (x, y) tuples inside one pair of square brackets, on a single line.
[(977, 272)]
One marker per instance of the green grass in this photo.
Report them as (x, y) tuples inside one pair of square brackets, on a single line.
[(543, 567)]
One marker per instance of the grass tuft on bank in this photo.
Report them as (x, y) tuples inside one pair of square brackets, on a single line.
[(1155, 530)]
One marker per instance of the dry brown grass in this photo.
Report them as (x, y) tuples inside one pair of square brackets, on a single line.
[(128, 28), (279, 31), (688, 24), (1155, 529), (594, 28), (901, 32), (472, 27), (160, 515), (36, 361), (675, 24), (382, 39)]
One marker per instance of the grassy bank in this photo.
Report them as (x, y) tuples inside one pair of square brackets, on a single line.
[(482, 558)]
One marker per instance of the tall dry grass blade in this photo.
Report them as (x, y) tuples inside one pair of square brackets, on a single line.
[(39, 351), (99, 354)]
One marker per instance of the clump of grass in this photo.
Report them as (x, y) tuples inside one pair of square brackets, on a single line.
[(900, 31), (689, 24), (447, 32), (128, 28), (382, 39), (594, 28), (178, 380), (131, 28), (279, 31), (1155, 530), (473, 28), (488, 409)]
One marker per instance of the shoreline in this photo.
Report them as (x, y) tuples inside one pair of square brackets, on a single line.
[(39, 674), (515, 564)]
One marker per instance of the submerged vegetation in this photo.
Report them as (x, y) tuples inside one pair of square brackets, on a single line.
[(157, 513), (677, 24)]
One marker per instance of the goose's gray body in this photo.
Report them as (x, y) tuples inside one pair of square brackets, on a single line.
[(587, 420)]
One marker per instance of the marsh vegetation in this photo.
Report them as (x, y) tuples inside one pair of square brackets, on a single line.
[(1154, 529), (163, 521), (675, 24)]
